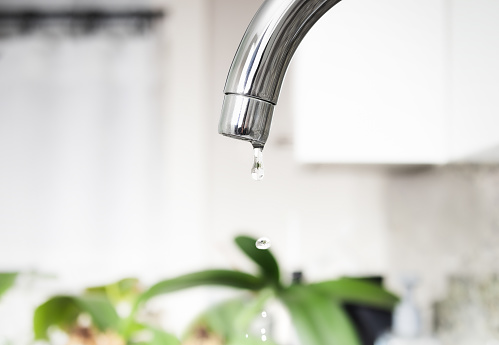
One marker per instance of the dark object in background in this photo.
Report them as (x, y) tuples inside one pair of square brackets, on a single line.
[(26, 20), (297, 277), (369, 322)]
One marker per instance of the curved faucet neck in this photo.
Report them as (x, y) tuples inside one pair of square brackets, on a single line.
[(259, 66)]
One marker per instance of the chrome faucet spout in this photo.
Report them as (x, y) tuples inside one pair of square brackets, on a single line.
[(259, 66)]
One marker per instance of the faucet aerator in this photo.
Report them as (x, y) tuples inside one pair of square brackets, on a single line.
[(246, 118)]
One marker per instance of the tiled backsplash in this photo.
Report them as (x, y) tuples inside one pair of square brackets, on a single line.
[(444, 222), (469, 314)]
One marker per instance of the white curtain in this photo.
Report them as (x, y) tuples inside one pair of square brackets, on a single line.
[(81, 161)]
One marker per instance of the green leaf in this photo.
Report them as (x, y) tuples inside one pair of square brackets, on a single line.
[(229, 278), (6, 281), (155, 336), (130, 328), (262, 258), (357, 291), (318, 319), (103, 314), (58, 311), (251, 309), (162, 338), (218, 319), (63, 311), (224, 320), (126, 289)]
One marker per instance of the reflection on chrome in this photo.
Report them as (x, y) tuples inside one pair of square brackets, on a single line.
[(257, 72)]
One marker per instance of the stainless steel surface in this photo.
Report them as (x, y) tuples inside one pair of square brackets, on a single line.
[(257, 71), (246, 118)]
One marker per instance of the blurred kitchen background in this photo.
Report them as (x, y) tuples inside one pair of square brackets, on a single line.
[(382, 159)]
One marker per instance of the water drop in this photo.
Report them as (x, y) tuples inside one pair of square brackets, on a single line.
[(264, 313), (257, 170), (263, 243), (264, 338), (263, 330)]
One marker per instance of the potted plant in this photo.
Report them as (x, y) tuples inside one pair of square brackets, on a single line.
[(317, 309)]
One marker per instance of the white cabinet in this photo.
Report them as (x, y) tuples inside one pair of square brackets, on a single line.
[(398, 81), (474, 127)]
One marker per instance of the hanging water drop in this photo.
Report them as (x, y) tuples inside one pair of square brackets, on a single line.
[(257, 170), (263, 243)]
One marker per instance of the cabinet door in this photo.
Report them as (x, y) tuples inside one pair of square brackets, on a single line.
[(368, 84), (474, 130)]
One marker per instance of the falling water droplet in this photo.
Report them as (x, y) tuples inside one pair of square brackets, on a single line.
[(261, 327), (263, 243), (257, 170)]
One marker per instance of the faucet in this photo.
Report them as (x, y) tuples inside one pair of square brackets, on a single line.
[(257, 71)]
